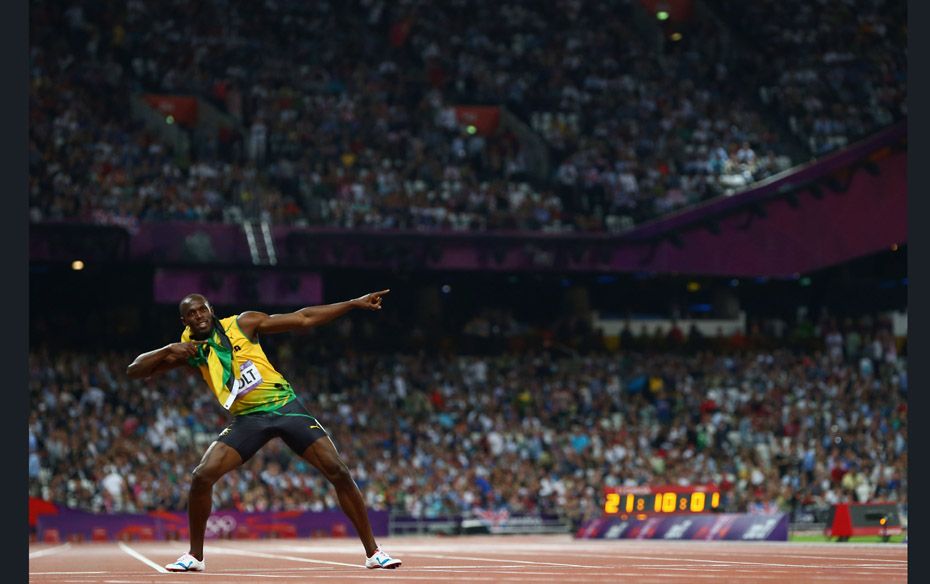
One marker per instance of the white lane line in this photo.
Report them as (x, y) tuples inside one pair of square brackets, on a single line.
[(271, 570), (457, 570), (464, 567), (519, 573), (508, 561), (719, 563), (241, 552), (676, 554), (265, 575), (879, 566), (142, 558), (187, 581), (692, 566), (432, 578), (236, 571), (688, 569), (49, 551), (839, 558), (62, 573), (717, 577), (730, 567), (857, 578)]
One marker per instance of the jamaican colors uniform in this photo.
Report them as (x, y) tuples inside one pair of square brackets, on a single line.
[(245, 382)]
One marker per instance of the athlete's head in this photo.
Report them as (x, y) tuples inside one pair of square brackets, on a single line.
[(197, 313)]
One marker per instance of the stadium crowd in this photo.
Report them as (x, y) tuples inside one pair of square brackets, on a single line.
[(531, 430), (346, 109), (840, 68)]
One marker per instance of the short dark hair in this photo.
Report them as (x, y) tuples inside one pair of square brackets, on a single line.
[(190, 297)]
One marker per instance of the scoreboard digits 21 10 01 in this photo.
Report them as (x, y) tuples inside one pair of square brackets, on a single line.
[(662, 499)]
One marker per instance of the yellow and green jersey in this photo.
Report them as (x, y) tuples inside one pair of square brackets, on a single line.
[(238, 372)]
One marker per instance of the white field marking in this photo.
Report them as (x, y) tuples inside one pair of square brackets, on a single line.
[(870, 574), (486, 571), (735, 563), (428, 569), (469, 578), (748, 546), (881, 574), (400, 544), (465, 567), (606, 551), (749, 570), (49, 551), (320, 549), (406, 569), (563, 579), (248, 553), (142, 558), (845, 578), (265, 575), (586, 575), (715, 576), (878, 566), (722, 565), (464, 570), (680, 569), (519, 572), (445, 557), (401, 547), (269, 570), (62, 573), (838, 558), (137, 582)]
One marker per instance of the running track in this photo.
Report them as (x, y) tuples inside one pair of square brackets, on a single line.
[(553, 559)]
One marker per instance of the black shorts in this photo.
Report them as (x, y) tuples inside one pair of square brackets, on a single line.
[(292, 423)]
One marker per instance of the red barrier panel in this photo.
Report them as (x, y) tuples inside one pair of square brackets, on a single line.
[(484, 118), (183, 108), (678, 10), (40, 507)]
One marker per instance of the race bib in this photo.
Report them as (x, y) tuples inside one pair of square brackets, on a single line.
[(249, 379)]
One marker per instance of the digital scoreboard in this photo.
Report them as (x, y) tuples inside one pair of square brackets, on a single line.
[(664, 499)]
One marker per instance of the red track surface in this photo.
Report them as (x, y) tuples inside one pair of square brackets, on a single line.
[(554, 559)]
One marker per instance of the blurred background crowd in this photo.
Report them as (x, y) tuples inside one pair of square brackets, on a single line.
[(343, 113), (795, 423)]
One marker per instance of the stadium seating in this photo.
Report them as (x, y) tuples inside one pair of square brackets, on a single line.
[(527, 431), (346, 110)]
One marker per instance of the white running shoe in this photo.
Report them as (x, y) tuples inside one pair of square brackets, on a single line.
[(379, 559), (187, 563)]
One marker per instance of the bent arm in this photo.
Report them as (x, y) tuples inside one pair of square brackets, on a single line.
[(254, 323), (160, 360)]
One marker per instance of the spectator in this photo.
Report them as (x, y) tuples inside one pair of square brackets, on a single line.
[(523, 430)]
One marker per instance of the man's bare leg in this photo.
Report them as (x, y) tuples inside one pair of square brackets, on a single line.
[(323, 455), (218, 460)]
